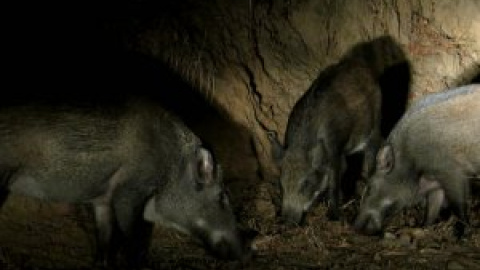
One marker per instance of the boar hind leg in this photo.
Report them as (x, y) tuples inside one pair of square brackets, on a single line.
[(5, 176), (137, 243)]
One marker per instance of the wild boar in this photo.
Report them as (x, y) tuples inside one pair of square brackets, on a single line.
[(339, 115), (132, 160), (432, 153)]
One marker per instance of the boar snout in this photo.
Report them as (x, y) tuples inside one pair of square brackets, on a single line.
[(369, 223), (292, 216), (230, 246)]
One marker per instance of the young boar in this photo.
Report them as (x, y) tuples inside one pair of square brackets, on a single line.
[(131, 160), (432, 153), (339, 115)]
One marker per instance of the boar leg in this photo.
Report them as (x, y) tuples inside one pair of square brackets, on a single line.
[(430, 188), (457, 192), (104, 232), (136, 241), (435, 199), (134, 230), (334, 178)]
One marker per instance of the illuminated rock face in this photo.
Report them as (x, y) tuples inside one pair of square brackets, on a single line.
[(252, 60)]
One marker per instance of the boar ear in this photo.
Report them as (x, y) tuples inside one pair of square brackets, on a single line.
[(385, 158), (205, 167), (317, 154), (277, 149)]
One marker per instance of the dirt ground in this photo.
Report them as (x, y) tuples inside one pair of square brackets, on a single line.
[(36, 235)]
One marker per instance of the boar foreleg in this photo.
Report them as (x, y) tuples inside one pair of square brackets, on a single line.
[(104, 231), (334, 190), (435, 201)]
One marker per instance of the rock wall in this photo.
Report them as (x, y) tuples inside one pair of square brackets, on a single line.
[(254, 59)]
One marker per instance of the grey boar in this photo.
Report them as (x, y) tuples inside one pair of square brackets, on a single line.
[(132, 161), (431, 155), (339, 115)]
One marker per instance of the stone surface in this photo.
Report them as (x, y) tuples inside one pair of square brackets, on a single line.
[(254, 59)]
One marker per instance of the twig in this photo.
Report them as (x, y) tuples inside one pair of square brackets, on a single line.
[(348, 204)]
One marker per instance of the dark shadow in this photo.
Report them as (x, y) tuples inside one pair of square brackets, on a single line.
[(352, 172), (395, 84), (470, 75), (476, 79), (389, 65)]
